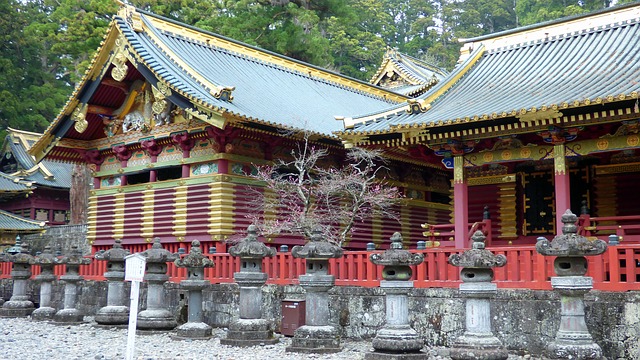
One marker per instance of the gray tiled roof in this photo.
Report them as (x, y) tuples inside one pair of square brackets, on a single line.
[(9, 221), (264, 92), (12, 183), (61, 171), (591, 64), (61, 175)]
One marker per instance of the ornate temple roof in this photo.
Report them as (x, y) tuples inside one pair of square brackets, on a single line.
[(9, 221), (19, 167), (406, 75), (215, 79), (547, 71)]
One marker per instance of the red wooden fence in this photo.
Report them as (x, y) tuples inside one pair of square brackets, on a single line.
[(616, 270)]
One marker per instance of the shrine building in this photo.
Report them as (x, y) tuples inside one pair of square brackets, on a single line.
[(172, 121), (532, 122)]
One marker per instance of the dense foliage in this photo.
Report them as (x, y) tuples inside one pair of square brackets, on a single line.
[(47, 44)]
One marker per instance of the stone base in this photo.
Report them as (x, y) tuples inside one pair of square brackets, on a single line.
[(478, 347), (397, 339), (156, 319), (43, 313), (112, 315), (193, 330), (315, 340), (378, 355), (249, 332), (15, 312), (566, 350), (68, 316), (470, 353)]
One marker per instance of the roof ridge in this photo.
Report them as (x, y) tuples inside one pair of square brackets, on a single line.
[(274, 56), (568, 35), (270, 64)]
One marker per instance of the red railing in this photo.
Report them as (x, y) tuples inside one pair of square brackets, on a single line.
[(444, 233), (627, 228), (618, 269)]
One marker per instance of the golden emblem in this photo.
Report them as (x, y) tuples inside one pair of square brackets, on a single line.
[(633, 140), (79, 117)]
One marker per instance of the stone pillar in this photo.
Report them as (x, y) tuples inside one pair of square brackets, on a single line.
[(195, 263), (69, 314), (396, 340), (573, 340), (250, 329), (317, 335), (478, 342), (116, 312), (46, 261), (156, 316), (19, 304)]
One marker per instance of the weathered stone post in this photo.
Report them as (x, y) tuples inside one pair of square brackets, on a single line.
[(156, 316), (396, 339), (250, 329), (316, 336), (195, 263), (69, 314), (116, 312), (46, 261), (478, 342), (19, 304), (573, 340)]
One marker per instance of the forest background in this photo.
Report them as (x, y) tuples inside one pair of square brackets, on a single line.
[(46, 45)]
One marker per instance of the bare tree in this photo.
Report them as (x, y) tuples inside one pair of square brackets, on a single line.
[(303, 195)]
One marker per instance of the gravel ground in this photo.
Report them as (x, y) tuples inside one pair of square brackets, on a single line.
[(23, 339)]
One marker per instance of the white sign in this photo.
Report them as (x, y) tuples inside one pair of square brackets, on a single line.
[(134, 267), (134, 272)]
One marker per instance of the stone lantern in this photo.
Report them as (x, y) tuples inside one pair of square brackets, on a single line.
[(396, 339), (19, 304), (573, 340), (478, 342), (156, 316), (46, 261), (116, 312), (250, 329), (72, 261), (316, 336), (195, 263)]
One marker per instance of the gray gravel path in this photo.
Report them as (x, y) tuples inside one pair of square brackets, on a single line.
[(23, 339)]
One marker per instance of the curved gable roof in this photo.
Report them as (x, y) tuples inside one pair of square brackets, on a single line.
[(584, 67)]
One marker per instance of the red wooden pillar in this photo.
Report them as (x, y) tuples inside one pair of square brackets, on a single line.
[(562, 184), (96, 180), (185, 143), (460, 203)]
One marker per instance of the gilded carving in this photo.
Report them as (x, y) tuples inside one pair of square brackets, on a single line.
[(79, 118), (120, 68), (525, 153), (559, 159), (458, 169), (633, 140), (506, 155), (602, 144)]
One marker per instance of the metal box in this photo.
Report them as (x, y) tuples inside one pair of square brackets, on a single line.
[(293, 316)]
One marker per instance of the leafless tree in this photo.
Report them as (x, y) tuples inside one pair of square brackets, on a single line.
[(301, 194)]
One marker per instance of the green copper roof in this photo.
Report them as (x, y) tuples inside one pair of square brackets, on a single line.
[(569, 70)]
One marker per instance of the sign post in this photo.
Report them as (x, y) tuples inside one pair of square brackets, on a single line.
[(134, 272)]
